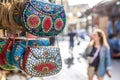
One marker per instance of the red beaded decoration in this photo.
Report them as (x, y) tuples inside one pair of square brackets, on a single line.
[(33, 21), (58, 24), (47, 24), (1, 60), (45, 67)]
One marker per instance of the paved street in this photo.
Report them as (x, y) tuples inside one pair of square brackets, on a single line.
[(78, 70)]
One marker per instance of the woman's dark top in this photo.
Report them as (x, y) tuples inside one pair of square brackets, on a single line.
[(97, 59)]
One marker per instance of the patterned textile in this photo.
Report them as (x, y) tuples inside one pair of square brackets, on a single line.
[(43, 19), (19, 49), (42, 61)]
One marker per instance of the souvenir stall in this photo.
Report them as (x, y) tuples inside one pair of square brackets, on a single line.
[(26, 27), (109, 21), (113, 29)]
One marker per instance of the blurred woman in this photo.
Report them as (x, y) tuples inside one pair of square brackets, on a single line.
[(98, 55)]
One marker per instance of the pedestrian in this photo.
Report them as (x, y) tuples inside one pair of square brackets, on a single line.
[(71, 35), (98, 56)]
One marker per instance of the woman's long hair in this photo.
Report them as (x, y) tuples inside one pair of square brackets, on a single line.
[(103, 39)]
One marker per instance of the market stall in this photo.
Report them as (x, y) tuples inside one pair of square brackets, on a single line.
[(108, 19), (26, 27)]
